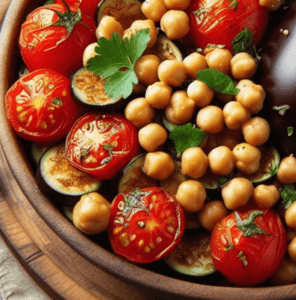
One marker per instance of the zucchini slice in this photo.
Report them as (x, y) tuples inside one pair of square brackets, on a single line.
[(60, 181), (37, 150), (134, 177), (124, 11), (88, 88), (192, 256), (165, 49), (269, 164)]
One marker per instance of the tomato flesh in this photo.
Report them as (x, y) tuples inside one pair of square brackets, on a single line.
[(145, 225), (219, 22), (101, 144), (248, 260), (40, 107)]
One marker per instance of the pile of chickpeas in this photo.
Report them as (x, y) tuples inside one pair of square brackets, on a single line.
[(232, 120)]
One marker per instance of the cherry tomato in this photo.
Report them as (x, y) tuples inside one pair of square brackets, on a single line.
[(101, 145), (145, 225), (40, 106), (219, 22), (54, 37), (248, 245)]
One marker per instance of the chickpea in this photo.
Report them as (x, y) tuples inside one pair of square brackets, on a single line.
[(191, 194), (292, 249), (89, 52), (271, 4), (287, 170), (194, 63), (237, 192), (211, 213), (142, 24), (107, 27), (194, 162), (158, 165), (266, 195), (91, 214), (177, 4), (285, 274), (247, 158), (243, 66), (172, 72), (256, 131), (235, 115), (152, 136), (221, 160), (229, 137), (146, 68), (210, 119), (159, 94), (220, 60), (139, 112), (251, 95), (175, 24), (290, 215), (200, 93), (154, 9), (180, 109)]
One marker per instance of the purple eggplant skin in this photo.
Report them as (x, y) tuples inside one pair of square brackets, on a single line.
[(277, 74)]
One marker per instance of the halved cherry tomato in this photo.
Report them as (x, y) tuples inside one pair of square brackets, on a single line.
[(101, 144), (54, 37), (219, 22), (145, 225), (248, 245), (40, 107)]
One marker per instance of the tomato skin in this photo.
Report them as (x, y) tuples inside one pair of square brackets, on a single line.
[(101, 144), (40, 107), (220, 21), (47, 43), (248, 260), (145, 224)]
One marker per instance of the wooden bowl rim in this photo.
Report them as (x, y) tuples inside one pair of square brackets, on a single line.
[(84, 246)]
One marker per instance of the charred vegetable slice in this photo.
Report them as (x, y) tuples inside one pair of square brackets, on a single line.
[(270, 160), (192, 256), (134, 177), (57, 178), (88, 88), (124, 11)]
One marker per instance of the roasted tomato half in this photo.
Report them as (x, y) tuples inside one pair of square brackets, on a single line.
[(101, 144), (218, 22), (40, 107), (248, 245), (54, 37), (145, 225)]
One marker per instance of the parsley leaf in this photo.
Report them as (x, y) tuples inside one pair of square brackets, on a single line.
[(217, 81), (243, 42), (288, 193), (116, 61), (186, 136)]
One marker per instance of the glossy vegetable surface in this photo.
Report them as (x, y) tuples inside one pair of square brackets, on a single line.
[(54, 37), (248, 245), (146, 224), (101, 145), (40, 107), (219, 22), (277, 74)]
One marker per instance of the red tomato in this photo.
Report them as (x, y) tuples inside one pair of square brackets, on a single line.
[(52, 37), (88, 7), (101, 145), (40, 106), (219, 22), (248, 245), (145, 225)]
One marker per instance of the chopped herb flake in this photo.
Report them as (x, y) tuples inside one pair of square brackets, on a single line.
[(281, 109), (288, 194), (290, 131)]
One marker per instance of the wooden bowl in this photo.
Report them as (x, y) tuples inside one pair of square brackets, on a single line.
[(155, 278)]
